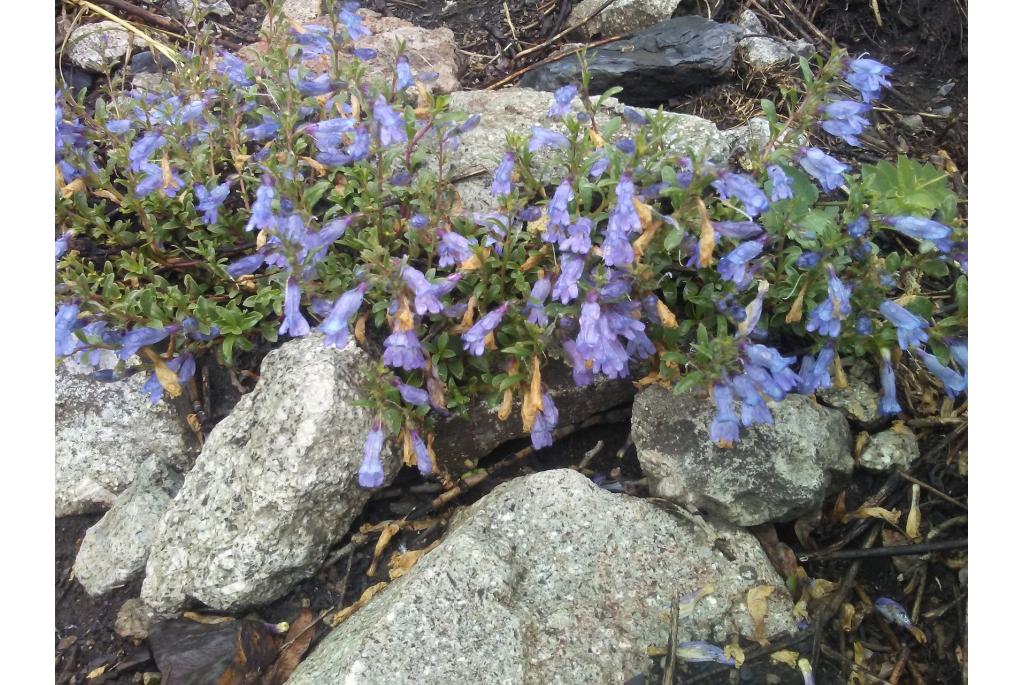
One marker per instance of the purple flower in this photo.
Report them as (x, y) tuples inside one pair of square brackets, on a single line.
[(737, 230), (863, 326), (411, 394), (845, 120), (808, 260), (635, 117), (744, 189), (814, 373), (858, 228), (616, 248), (245, 265), (423, 463), (294, 324), (425, 299), (599, 166), (335, 326), (402, 350), (581, 375), (391, 126), (543, 137), (952, 381), (753, 409), (328, 134), (567, 286), (725, 427), (185, 366), (781, 183), (867, 76), (419, 222), (558, 213), (910, 328), (733, 267), (598, 343), (502, 184), (923, 229), (234, 68), (828, 171), (888, 405), (371, 472), (544, 422), (562, 102), (535, 313), (211, 200), (60, 246), (893, 612), (64, 324), (267, 129), (453, 249), (473, 339), (140, 337), (958, 351), (626, 145), (119, 126), (624, 218), (262, 216), (696, 651), (311, 85), (154, 180), (770, 370), (144, 148), (353, 22), (826, 318), (578, 240), (685, 176), (403, 74)]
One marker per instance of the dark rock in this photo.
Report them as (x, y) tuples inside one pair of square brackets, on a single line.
[(75, 78), (147, 63), (664, 61), (231, 653)]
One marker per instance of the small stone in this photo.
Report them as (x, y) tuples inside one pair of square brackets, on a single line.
[(151, 678), (134, 620), (192, 11), (299, 10), (911, 123), (763, 54), (99, 46), (620, 17), (153, 83), (774, 473), (858, 401), (890, 450)]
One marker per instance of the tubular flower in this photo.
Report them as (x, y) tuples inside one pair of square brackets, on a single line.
[(390, 125), (733, 266), (353, 22), (423, 291), (827, 317), (411, 394), (262, 216), (403, 73), (814, 373), (567, 286), (60, 246), (781, 183), (558, 212), (501, 186), (696, 651), (144, 148), (140, 337), (910, 328), (545, 422), (335, 326), (535, 313), (578, 239), (737, 230), (211, 200), (744, 189), (402, 350), (581, 374), (64, 323), (234, 68), (473, 339), (597, 342), (423, 462), (371, 472), (952, 381), (562, 102), (845, 120), (725, 427), (599, 167), (888, 405), (827, 170), (753, 409), (543, 138), (867, 76), (624, 218), (453, 249), (294, 324), (770, 370), (920, 228)]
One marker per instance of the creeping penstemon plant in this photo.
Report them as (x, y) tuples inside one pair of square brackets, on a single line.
[(263, 198)]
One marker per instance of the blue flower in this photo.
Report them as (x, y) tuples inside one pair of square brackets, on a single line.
[(737, 230), (845, 120), (262, 216), (502, 183), (808, 260), (725, 427), (567, 286), (599, 166), (423, 462), (371, 472), (391, 126), (543, 137), (598, 343), (696, 651), (858, 228), (544, 422), (958, 351), (743, 188), (60, 246), (419, 222), (144, 148), (578, 239), (624, 218), (814, 373), (893, 612), (211, 200), (685, 176), (753, 409), (781, 183), (245, 265), (558, 212), (403, 73), (827, 170), (826, 318), (185, 367), (626, 145), (402, 350), (867, 76), (234, 68), (888, 405), (140, 337), (920, 228), (155, 180), (119, 126), (760, 361), (335, 326), (294, 324), (910, 328), (535, 313), (562, 102), (635, 117), (473, 339), (581, 374), (411, 394), (733, 267), (863, 326), (453, 249), (952, 381), (64, 325), (267, 129)]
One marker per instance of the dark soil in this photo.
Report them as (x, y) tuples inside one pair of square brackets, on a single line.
[(926, 41)]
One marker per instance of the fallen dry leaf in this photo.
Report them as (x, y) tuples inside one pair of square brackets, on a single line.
[(796, 311), (389, 532), (96, 672), (914, 515), (207, 619), (367, 595), (402, 562), (785, 656), (76, 186), (734, 651), (892, 516), (839, 508), (707, 235), (757, 607)]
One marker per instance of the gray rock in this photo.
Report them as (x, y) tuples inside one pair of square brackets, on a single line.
[(764, 54), (274, 487), (911, 123), (299, 10), (664, 61), (193, 11), (515, 110), (104, 431), (858, 400), (774, 473), (114, 551), (134, 619), (548, 579), (890, 450), (99, 46), (622, 16), (461, 441)]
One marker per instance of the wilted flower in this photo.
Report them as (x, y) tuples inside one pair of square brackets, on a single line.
[(402, 350), (920, 228), (845, 120), (371, 472), (781, 183), (185, 367), (542, 138), (827, 170), (867, 76), (335, 326), (893, 612), (910, 328), (502, 184), (544, 422), (697, 651), (744, 189), (888, 405), (562, 102), (423, 462), (473, 339)]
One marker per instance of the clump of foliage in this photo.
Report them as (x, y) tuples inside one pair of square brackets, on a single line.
[(291, 192)]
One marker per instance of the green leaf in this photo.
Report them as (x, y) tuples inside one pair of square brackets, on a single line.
[(935, 267)]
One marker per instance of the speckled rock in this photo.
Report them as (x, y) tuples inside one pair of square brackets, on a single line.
[(764, 54), (104, 431), (774, 473), (620, 17), (299, 10), (114, 551), (515, 110), (549, 580), (193, 11), (892, 449), (274, 487), (99, 46), (858, 401)]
